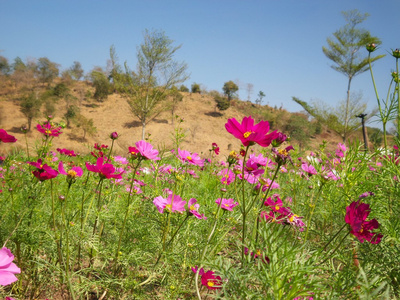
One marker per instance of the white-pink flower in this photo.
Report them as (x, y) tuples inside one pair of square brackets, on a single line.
[(193, 209)]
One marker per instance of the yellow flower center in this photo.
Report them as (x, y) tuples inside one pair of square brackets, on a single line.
[(292, 218), (48, 131), (258, 252), (276, 207), (188, 158), (168, 207), (247, 134), (210, 283), (192, 207), (283, 152), (71, 173)]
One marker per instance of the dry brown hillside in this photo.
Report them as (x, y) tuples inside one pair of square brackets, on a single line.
[(202, 125)]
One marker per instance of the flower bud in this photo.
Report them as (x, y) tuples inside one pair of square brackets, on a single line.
[(61, 197), (114, 135), (371, 47), (279, 140), (396, 53)]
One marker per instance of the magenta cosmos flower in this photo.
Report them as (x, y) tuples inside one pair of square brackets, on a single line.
[(66, 152), (210, 281), (6, 138), (249, 133), (7, 268), (48, 130), (105, 170), (43, 171), (172, 204), (193, 159), (227, 204), (356, 215)]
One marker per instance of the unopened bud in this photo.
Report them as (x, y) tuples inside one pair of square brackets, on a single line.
[(396, 53), (371, 47)]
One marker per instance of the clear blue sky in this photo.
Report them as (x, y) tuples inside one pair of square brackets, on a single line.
[(275, 45)]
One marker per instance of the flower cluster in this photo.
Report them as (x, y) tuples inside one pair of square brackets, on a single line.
[(49, 129), (280, 214), (143, 150), (174, 203)]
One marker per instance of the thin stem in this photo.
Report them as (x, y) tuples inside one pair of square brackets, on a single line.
[(334, 250), (312, 210), (244, 212)]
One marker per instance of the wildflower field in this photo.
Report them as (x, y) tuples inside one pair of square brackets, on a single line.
[(171, 224)]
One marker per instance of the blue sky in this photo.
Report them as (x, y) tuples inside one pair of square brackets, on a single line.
[(274, 45)]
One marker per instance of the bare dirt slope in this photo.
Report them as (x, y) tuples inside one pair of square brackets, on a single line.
[(202, 126)]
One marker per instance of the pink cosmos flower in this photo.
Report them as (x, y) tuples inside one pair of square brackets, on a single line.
[(43, 171), (171, 204), (279, 140), (144, 150), (227, 176), (6, 138), (274, 205), (261, 160), (249, 133), (341, 149), (282, 154), (72, 173), (104, 170), (120, 159), (193, 209), (66, 152), (295, 220), (356, 215), (7, 268), (48, 130), (227, 204), (193, 159), (309, 169)]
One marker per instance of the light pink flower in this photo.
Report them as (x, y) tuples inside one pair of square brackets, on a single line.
[(191, 158), (72, 173), (7, 268), (144, 150), (172, 204)]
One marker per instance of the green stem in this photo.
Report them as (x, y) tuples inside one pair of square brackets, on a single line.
[(265, 198), (126, 211), (205, 250), (244, 211), (334, 250), (312, 210)]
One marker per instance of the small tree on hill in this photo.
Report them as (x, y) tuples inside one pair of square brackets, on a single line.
[(86, 124), (195, 88), (30, 107), (260, 96), (230, 88), (184, 88), (157, 71), (76, 70), (47, 70), (222, 102), (101, 84)]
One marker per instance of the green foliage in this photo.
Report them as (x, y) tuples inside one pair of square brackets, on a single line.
[(230, 88), (299, 128), (30, 107), (101, 85), (341, 119), (195, 88), (343, 48), (260, 96), (5, 67), (76, 70), (222, 102), (72, 112), (86, 124), (184, 88), (47, 70)]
